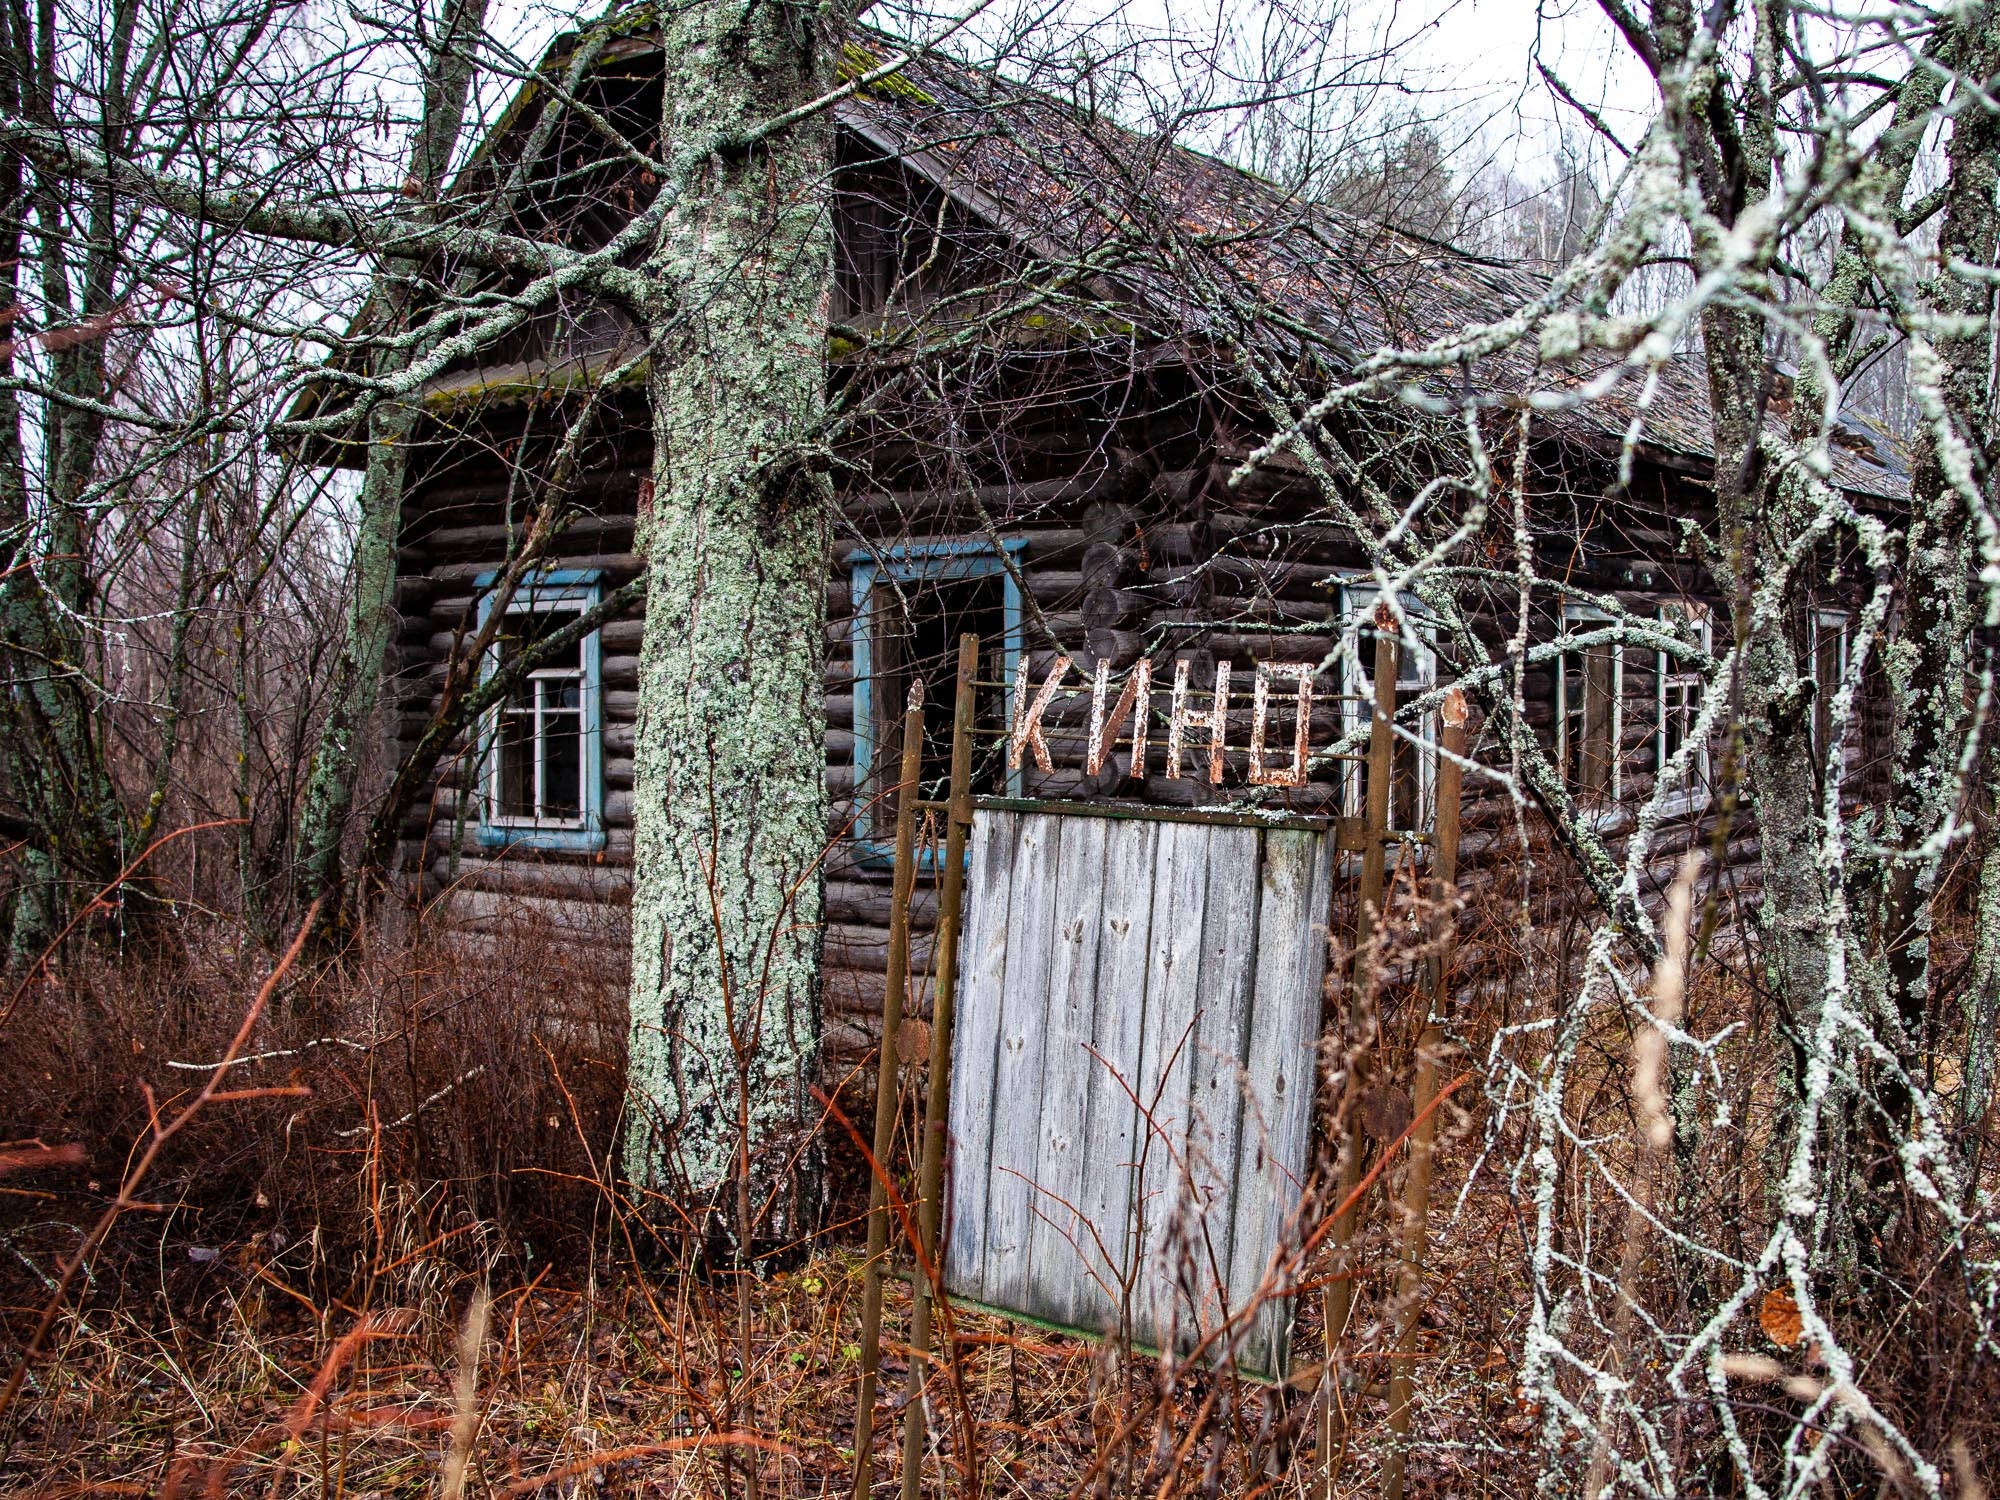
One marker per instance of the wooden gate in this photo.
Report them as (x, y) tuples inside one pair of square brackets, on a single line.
[(1133, 1070), (1125, 1071)]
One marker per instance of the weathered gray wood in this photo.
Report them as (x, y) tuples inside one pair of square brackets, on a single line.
[(982, 971), (1125, 945), (1215, 1065), (1018, 1069), (1133, 1073), (1282, 1069), (1058, 1251), (1173, 1003)]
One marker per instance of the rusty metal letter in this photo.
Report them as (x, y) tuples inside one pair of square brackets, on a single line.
[(1301, 673), (1215, 721), (1027, 731), (1138, 690)]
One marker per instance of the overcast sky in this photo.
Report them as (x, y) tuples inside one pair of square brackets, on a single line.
[(1478, 56), (1471, 58)]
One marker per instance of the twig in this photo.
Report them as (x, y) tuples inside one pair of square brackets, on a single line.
[(420, 1106), (96, 903), (127, 1198), (237, 1062)]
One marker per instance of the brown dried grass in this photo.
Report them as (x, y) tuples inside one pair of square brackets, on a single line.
[(292, 1318)]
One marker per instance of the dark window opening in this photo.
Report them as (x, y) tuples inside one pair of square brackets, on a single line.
[(913, 635), (538, 750), (1590, 689)]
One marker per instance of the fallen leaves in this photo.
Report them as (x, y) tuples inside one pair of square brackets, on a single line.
[(1779, 1317)]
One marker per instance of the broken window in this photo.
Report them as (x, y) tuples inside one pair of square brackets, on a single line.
[(911, 605), (1590, 720)]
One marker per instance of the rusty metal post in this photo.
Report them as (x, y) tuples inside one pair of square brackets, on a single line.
[(937, 1099), (1338, 1299), (1417, 1190), (888, 1073)]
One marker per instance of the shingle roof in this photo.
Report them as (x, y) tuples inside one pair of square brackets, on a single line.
[(1204, 250), (1201, 244)]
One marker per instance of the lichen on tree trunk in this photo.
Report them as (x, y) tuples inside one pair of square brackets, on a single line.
[(729, 768)]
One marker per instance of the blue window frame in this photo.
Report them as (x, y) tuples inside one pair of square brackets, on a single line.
[(541, 760), (900, 585)]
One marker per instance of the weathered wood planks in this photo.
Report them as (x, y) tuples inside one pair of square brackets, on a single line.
[(1133, 1077)]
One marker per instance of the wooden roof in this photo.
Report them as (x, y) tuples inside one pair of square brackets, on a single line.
[(1198, 251)]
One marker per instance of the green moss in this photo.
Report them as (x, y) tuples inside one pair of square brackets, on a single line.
[(856, 61), (515, 390)]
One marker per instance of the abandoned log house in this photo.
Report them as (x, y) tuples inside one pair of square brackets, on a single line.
[(1042, 357)]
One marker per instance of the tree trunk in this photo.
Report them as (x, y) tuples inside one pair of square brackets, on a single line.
[(1930, 660), (56, 760), (729, 766), (371, 618)]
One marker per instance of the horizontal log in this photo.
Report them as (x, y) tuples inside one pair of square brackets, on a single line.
[(571, 919), (620, 567), (855, 904), (533, 873), (598, 533), (995, 498), (618, 478)]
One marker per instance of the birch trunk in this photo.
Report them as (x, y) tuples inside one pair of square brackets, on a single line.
[(371, 618), (729, 766)]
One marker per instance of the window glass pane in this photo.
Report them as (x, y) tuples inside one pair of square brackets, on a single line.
[(888, 692), (527, 626), (515, 753), (1590, 726), (1599, 675), (570, 657), (1681, 707), (562, 765)]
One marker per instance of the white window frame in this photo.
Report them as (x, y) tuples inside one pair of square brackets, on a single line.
[(1694, 793), (1842, 622), (1589, 615), (1416, 667), (586, 829)]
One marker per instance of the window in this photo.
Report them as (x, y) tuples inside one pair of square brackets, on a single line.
[(1590, 710), (543, 740), (1829, 667), (1413, 765), (1680, 703), (911, 604)]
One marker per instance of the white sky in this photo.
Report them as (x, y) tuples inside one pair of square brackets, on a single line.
[(1471, 57), (1478, 56)]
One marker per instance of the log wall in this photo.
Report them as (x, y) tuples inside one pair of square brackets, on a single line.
[(1130, 543)]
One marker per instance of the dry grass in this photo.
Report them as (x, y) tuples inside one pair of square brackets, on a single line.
[(291, 1319)]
